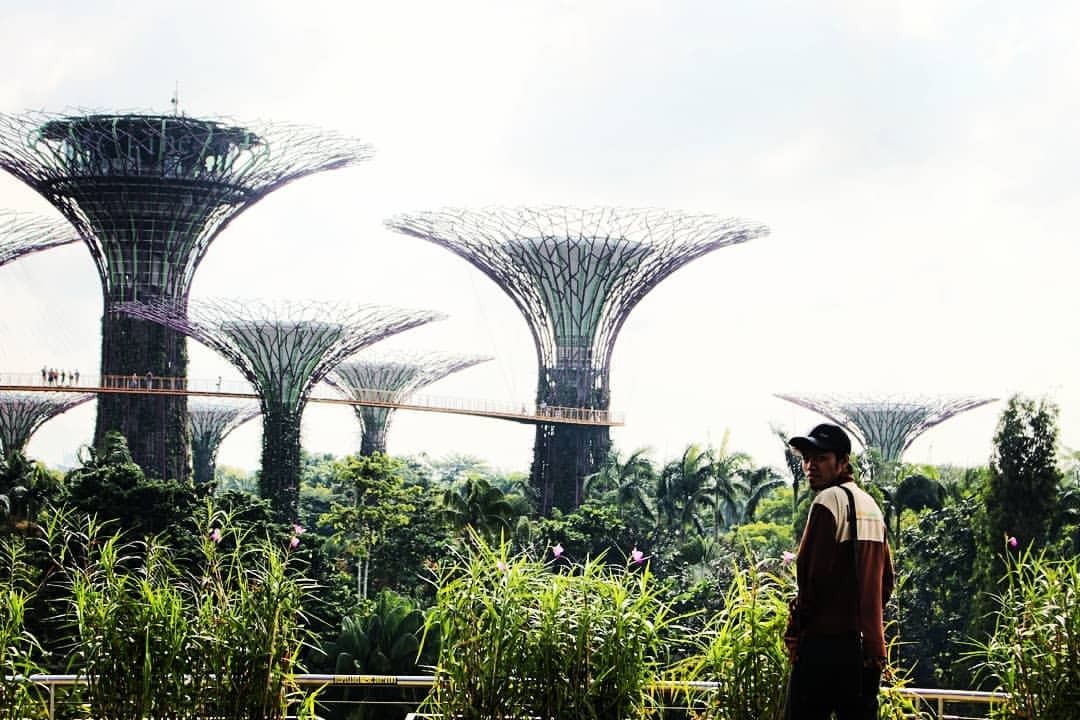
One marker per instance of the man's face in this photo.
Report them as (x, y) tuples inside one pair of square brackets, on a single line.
[(821, 467)]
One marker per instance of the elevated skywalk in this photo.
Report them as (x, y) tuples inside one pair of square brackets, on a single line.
[(241, 390)]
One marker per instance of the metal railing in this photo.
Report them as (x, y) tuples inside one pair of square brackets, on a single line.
[(239, 389), (938, 702)]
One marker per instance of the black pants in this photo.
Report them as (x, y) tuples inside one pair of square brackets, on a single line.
[(816, 690)]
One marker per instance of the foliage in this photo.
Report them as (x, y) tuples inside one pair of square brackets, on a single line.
[(595, 528), (228, 478), (477, 504), (742, 650), (18, 648), (521, 640), (26, 487), (384, 639), (934, 594), (377, 503), (109, 485), (158, 642), (1034, 651), (1020, 493)]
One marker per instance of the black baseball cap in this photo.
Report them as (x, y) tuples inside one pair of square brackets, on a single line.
[(830, 438)]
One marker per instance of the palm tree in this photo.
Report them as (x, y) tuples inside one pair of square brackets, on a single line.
[(25, 486), (726, 470), (754, 485), (476, 503), (794, 466), (627, 484), (915, 492), (684, 487)]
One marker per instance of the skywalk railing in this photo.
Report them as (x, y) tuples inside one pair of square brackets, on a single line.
[(241, 390), (61, 693)]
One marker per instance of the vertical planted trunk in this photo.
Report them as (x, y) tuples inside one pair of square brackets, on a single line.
[(155, 425), (280, 479)]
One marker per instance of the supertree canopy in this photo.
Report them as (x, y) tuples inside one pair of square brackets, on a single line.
[(211, 422), (22, 413), (575, 274), (889, 424), (284, 349), (400, 374), (23, 233), (148, 193)]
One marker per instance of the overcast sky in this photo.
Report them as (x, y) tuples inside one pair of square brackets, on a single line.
[(916, 161)]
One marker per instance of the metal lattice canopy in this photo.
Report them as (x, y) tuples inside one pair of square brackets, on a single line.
[(211, 423), (23, 233), (574, 273), (283, 347), (150, 192), (890, 424), (21, 414), (401, 374)]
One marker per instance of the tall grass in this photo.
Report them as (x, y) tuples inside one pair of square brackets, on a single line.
[(522, 639), (742, 649), (161, 640), (18, 648), (1034, 651)]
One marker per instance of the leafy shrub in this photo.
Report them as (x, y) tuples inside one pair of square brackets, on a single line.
[(521, 638), (1034, 651)]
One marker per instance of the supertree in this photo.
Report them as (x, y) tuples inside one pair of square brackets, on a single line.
[(21, 414), (400, 374), (211, 422), (148, 193), (575, 274), (888, 424), (283, 348), (23, 233)]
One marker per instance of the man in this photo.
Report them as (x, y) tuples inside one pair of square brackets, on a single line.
[(835, 635)]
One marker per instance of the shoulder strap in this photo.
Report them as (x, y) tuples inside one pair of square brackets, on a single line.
[(853, 522)]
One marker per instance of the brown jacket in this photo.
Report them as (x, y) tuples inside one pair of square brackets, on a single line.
[(826, 601)]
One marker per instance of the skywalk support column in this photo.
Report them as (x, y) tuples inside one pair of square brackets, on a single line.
[(575, 275), (284, 349), (148, 193)]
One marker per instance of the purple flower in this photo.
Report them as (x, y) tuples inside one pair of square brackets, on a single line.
[(637, 556), (1010, 540), (500, 566), (787, 557), (298, 529), (215, 535), (557, 551), (294, 541)]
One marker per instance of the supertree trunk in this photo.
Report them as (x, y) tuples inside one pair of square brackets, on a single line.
[(279, 481), (373, 439), (202, 465), (156, 426)]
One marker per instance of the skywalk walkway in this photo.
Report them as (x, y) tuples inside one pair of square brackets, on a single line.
[(240, 390)]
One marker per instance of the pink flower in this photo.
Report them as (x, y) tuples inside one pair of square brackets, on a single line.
[(294, 541), (298, 529), (637, 556), (557, 551), (215, 535), (787, 557), (500, 566), (1010, 540)]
